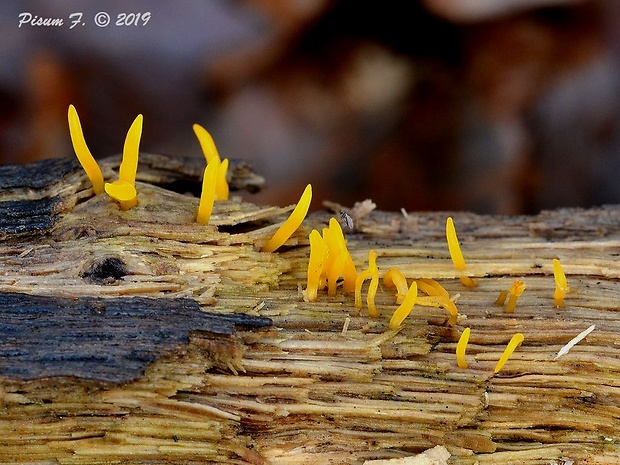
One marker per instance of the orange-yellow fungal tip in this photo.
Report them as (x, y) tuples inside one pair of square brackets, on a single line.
[(515, 342), (292, 223), (405, 307), (207, 197), (84, 156), (394, 278), (456, 254), (561, 286), (461, 346), (131, 149), (515, 291), (123, 192), (318, 255), (206, 143)]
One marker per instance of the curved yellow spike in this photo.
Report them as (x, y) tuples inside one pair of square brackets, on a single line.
[(84, 156), (207, 144), (129, 165), (405, 308), (207, 197), (515, 342), (456, 254), (318, 255), (292, 223), (394, 278), (461, 347)]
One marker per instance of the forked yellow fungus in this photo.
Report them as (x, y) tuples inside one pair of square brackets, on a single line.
[(515, 342), (405, 307), (292, 223), (119, 190), (561, 286), (456, 254), (461, 346), (515, 292), (318, 255), (207, 197), (394, 278), (373, 273), (84, 156), (338, 246), (207, 145)]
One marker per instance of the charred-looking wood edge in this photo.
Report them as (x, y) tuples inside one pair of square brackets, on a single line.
[(28, 217), (109, 340), (37, 175)]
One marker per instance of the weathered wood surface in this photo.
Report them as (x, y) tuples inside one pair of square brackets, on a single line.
[(325, 383)]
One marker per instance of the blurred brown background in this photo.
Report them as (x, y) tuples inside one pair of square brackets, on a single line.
[(492, 106)]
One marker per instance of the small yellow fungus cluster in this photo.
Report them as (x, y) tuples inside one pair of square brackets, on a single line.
[(329, 261), (292, 223), (211, 154), (456, 254), (123, 190), (561, 286), (461, 347), (513, 295)]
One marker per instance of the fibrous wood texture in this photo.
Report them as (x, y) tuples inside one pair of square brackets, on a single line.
[(296, 382)]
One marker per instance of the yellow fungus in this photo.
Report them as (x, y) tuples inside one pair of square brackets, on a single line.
[(394, 278), (461, 346), (207, 145), (561, 286), (501, 298), (120, 190), (515, 291), (373, 273), (84, 156), (405, 307), (349, 273), (222, 191), (207, 197), (516, 340), (432, 287), (333, 273), (318, 255), (292, 223), (123, 192), (456, 254), (373, 286), (440, 301)]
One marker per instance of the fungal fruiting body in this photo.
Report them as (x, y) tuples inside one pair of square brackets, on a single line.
[(292, 223), (515, 342), (211, 154), (394, 278), (207, 196), (456, 254), (339, 262), (124, 190), (437, 296), (84, 156), (461, 346), (561, 286), (373, 273), (405, 307), (514, 293), (318, 255)]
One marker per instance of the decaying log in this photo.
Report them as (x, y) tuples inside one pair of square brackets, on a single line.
[(140, 336)]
